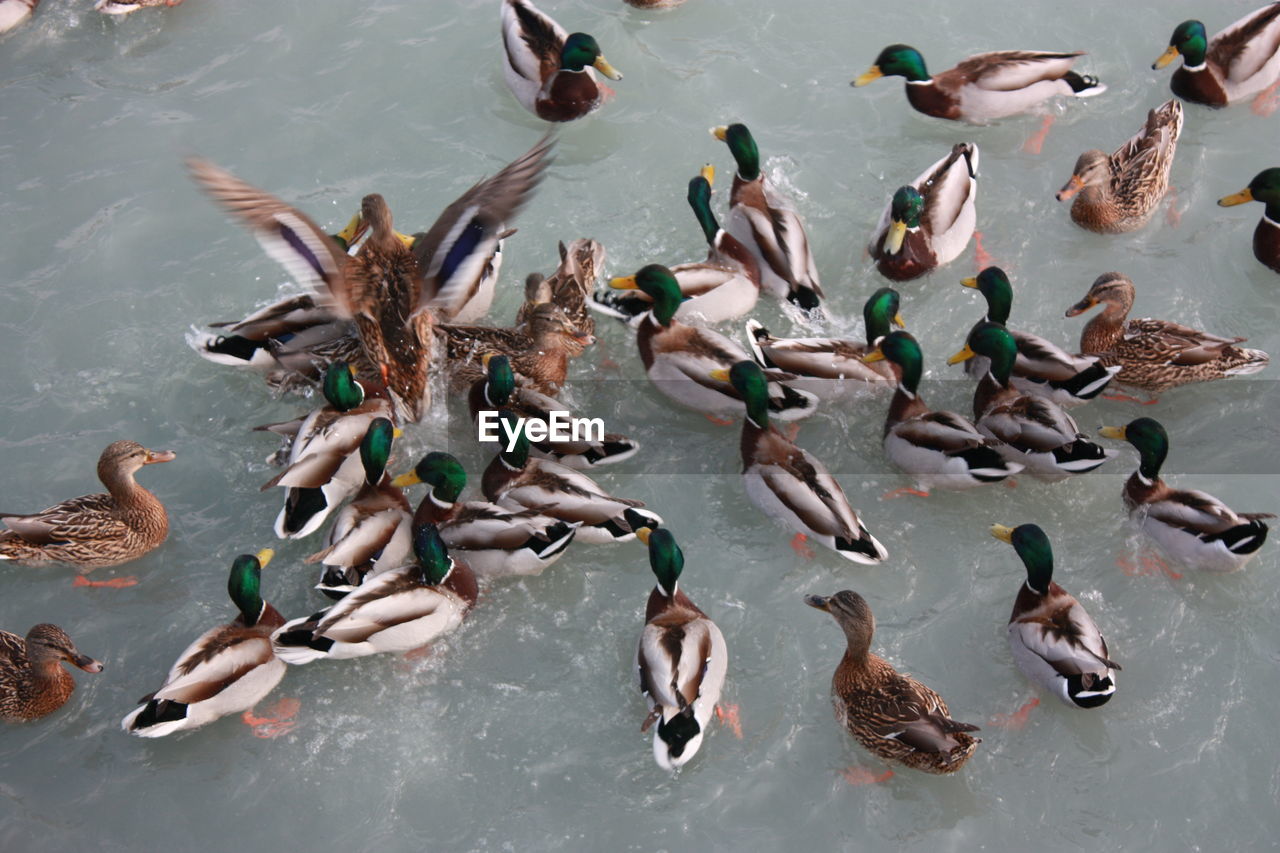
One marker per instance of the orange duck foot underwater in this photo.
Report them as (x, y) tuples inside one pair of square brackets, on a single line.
[(98, 530)]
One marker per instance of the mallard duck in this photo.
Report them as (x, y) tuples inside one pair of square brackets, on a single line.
[(548, 70), (368, 536), (929, 223), (226, 670), (1156, 355), (1265, 187), (569, 287), (32, 680), (1119, 192), (936, 448), (1241, 61), (540, 350), (681, 660), (493, 540), (1041, 367), (93, 531), (724, 286), (295, 324), (1194, 528), (985, 86), (119, 7), (15, 12), (324, 467), (397, 611), (768, 225), (515, 481), (830, 368), (1053, 639), (1034, 431), (395, 285), (498, 390), (890, 714), (679, 359), (791, 484)]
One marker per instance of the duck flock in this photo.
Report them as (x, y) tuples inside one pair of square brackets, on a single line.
[(385, 316)]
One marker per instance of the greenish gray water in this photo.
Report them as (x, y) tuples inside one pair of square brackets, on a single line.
[(521, 731)]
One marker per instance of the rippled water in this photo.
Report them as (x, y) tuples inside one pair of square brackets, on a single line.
[(521, 731)]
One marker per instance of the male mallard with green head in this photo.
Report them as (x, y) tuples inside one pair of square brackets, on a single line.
[(1238, 63), (1053, 639), (1265, 187), (226, 670), (1193, 527), (928, 223), (892, 715), (986, 86), (550, 71)]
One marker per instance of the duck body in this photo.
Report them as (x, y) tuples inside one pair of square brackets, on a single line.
[(399, 610), (540, 351), (1236, 64), (541, 73), (893, 716), (116, 7), (1119, 192), (937, 448), (788, 483), (1195, 528), (929, 223), (517, 482), (228, 669), (33, 682), (681, 660), (831, 368), (94, 531), (986, 86), (1156, 355), (369, 536), (493, 540), (15, 12), (1040, 367), (1054, 641)]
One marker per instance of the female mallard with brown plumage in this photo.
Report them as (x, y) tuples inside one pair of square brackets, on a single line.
[(1041, 367), (1119, 192), (831, 367), (569, 288), (1054, 641), (395, 286), (33, 682), (98, 530), (768, 225), (788, 483), (929, 222), (1033, 431), (986, 86), (681, 660), (540, 350), (1238, 63), (892, 715), (551, 72), (493, 540), (1265, 187), (1193, 527), (226, 670), (1156, 355)]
